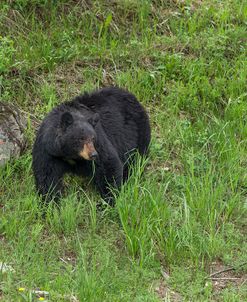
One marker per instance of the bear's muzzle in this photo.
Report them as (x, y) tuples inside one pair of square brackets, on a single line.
[(88, 152)]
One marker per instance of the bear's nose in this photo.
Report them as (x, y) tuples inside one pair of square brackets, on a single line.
[(93, 155)]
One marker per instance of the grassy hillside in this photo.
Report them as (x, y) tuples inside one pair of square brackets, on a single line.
[(186, 217)]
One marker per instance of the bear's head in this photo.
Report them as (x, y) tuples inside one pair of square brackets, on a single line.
[(78, 137)]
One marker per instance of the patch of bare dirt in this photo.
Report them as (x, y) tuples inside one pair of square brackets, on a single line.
[(223, 277), (70, 78), (164, 292)]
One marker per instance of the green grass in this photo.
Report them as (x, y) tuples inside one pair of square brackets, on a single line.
[(186, 62)]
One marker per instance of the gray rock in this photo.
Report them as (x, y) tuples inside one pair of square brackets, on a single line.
[(12, 126)]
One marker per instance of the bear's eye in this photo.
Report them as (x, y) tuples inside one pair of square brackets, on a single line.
[(93, 138)]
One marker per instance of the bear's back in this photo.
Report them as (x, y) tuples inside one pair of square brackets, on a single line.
[(122, 117)]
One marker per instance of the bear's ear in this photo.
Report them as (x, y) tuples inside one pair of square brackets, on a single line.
[(66, 120), (93, 120)]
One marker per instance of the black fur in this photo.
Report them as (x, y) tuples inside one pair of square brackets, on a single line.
[(116, 122)]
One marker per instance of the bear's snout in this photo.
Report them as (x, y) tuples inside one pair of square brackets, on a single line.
[(94, 155), (88, 152)]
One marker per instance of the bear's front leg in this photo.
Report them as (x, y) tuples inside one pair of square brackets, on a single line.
[(48, 172), (108, 176)]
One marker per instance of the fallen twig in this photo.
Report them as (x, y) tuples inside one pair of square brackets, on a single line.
[(221, 271), (227, 270), (224, 278)]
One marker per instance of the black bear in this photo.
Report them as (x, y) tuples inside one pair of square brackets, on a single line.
[(94, 134)]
